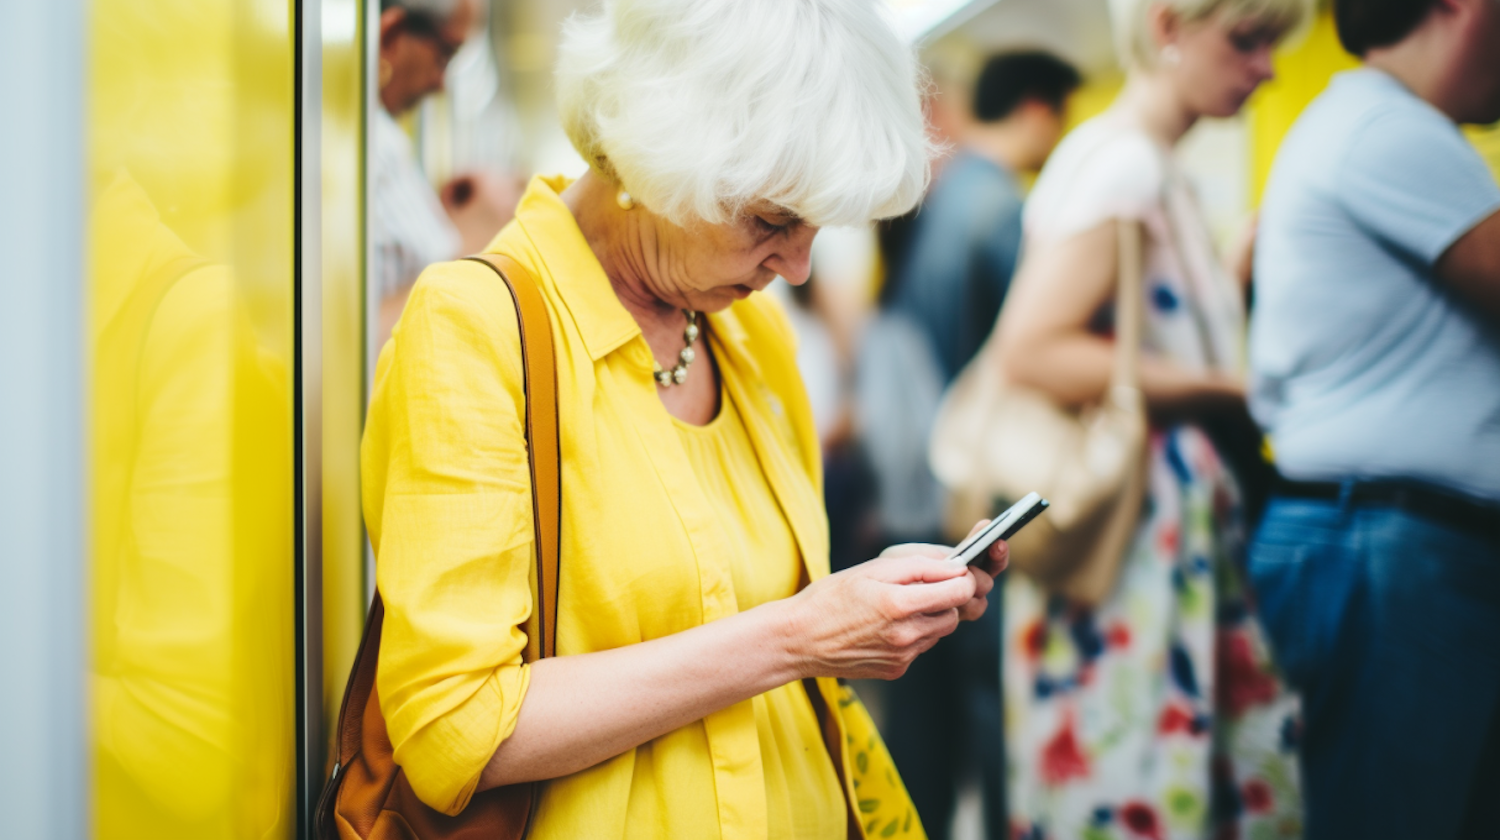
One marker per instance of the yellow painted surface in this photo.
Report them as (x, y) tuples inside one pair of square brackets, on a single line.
[(343, 348), (190, 461), (1303, 70), (1097, 94), (1487, 140)]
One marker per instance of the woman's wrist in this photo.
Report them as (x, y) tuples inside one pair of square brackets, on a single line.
[(781, 638), (1227, 389)]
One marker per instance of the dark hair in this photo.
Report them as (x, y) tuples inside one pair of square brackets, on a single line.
[(420, 20), (1009, 79), (1364, 25)]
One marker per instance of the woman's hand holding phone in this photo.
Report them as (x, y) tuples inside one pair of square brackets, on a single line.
[(871, 621), (984, 569), (874, 619)]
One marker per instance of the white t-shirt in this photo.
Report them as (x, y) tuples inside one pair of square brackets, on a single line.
[(1363, 365), (1108, 168)]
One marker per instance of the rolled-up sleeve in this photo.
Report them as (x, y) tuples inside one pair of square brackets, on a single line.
[(448, 503)]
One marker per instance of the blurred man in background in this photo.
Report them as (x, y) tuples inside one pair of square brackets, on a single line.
[(947, 278), (1375, 356), (962, 248), (411, 225)]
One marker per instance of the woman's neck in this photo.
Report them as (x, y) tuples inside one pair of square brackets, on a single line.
[(1154, 103), (621, 243)]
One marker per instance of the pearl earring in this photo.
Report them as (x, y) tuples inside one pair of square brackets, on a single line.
[(625, 201), (1171, 55)]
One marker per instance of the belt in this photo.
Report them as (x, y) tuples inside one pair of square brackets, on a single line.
[(1449, 508)]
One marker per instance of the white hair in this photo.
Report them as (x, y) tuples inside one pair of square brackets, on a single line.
[(1133, 29), (699, 108)]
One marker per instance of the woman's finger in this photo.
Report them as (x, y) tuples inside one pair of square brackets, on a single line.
[(937, 552), (999, 557), (973, 610), (943, 595), (912, 569), (933, 626), (984, 582)]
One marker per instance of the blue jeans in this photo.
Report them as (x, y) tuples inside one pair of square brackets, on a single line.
[(1389, 625)]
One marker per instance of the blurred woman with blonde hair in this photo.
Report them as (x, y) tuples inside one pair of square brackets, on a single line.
[(1155, 713)]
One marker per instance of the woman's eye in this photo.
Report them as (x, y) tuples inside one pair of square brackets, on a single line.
[(1249, 42), (767, 226)]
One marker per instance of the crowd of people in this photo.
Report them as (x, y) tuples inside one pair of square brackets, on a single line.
[(1295, 636)]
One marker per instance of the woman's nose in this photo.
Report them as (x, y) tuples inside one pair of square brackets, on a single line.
[(1264, 64), (793, 260)]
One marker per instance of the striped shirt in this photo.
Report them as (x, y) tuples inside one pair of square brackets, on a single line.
[(408, 227)]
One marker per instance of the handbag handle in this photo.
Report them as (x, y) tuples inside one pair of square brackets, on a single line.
[(1129, 309), (542, 444)]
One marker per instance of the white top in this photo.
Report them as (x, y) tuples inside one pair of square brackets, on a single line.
[(409, 230), (1109, 168), (1363, 365)]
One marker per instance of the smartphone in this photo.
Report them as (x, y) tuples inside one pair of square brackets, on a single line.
[(1002, 527)]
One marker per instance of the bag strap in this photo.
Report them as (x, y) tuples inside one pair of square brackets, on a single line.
[(545, 457), (1130, 308), (542, 443)]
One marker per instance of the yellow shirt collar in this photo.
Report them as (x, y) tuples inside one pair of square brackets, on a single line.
[(547, 228)]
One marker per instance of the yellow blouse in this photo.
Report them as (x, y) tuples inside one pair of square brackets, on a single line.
[(802, 791), (647, 547)]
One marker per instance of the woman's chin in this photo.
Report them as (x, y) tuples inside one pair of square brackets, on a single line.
[(722, 297), (1230, 106)]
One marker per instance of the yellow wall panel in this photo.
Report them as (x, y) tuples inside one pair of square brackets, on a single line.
[(1303, 70), (190, 464), (1487, 140), (1094, 97)]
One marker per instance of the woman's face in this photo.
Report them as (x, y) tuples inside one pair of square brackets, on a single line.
[(1220, 62), (708, 267)]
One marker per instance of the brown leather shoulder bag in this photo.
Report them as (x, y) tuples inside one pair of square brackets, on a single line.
[(368, 797)]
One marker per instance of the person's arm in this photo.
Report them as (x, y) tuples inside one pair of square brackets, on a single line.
[(1471, 267), (1420, 189), (1045, 341), (868, 622), (479, 204)]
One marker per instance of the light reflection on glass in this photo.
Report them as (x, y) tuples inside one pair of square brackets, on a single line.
[(190, 331)]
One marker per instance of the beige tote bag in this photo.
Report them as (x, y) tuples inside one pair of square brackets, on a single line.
[(994, 441)]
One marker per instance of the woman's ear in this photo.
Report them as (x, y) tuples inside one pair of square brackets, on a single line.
[(1163, 24)]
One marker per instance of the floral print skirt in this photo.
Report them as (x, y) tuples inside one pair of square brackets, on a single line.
[(1157, 715)]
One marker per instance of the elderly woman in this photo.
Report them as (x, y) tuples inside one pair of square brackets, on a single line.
[(1156, 714), (695, 596)]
